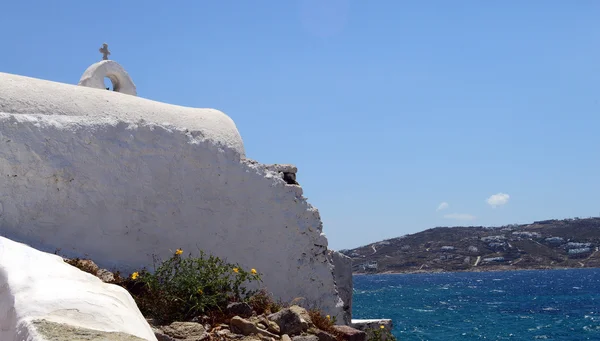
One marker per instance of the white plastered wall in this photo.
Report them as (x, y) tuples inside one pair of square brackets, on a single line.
[(119, 179)]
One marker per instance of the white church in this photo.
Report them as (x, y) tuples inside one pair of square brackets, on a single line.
[(119, 179)]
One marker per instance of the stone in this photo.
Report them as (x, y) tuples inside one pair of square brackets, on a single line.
[(304, 317), (285, 337), (250, 338), (350, 334), (325, 336), (239, 336), (105, 276), (204, 320), (246, 327), (305, 338), (241, 309), (188, 331), (243, 326), (112, 174), (228, 334), (86, 265), (273, 327), (289, 321), (161, 336), (265, 338), (270, 325), (42, 292), (52, 331)]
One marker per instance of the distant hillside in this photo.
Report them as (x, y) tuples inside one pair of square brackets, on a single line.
[(569, 243)]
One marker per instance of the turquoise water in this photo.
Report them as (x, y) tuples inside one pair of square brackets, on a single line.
[(514, 305)]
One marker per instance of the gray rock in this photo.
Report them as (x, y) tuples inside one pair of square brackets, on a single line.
[(228, 334), (52, 331), (246, 327), (105, 275), (285, 337), (289, 322), (242, 326), (351, 334), (234, 336), (325, 336), (304, 317), (305, 338), (160, 336), (265, 338), (86, 265), (188, 331), (242, 338), (240, 309), (203, 320), (271, 326)]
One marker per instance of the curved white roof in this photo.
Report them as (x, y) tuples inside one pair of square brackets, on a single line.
[(31, 96)]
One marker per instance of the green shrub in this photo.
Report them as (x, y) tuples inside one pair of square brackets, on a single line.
[(183, 288)]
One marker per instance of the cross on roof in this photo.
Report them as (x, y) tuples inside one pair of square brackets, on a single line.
[(105, 52)]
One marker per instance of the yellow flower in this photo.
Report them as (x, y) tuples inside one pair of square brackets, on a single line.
[(253, 271), (236, 270), (178, 252), (328, 317), (382, 326), (200, 291), (135, 275)]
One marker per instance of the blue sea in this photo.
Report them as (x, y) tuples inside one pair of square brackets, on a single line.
[(513, 305)]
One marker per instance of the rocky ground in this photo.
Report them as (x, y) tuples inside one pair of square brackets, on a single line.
[(289, 324), (241, 323)]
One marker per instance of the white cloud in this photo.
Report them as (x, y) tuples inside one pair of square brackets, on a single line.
[(442, 206), (460, 216), (498, 199)]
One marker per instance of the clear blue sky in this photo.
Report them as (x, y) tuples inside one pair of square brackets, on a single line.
[(388, 108)]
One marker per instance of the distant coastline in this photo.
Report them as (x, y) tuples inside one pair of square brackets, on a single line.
[(542, 245), (481, 269)]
